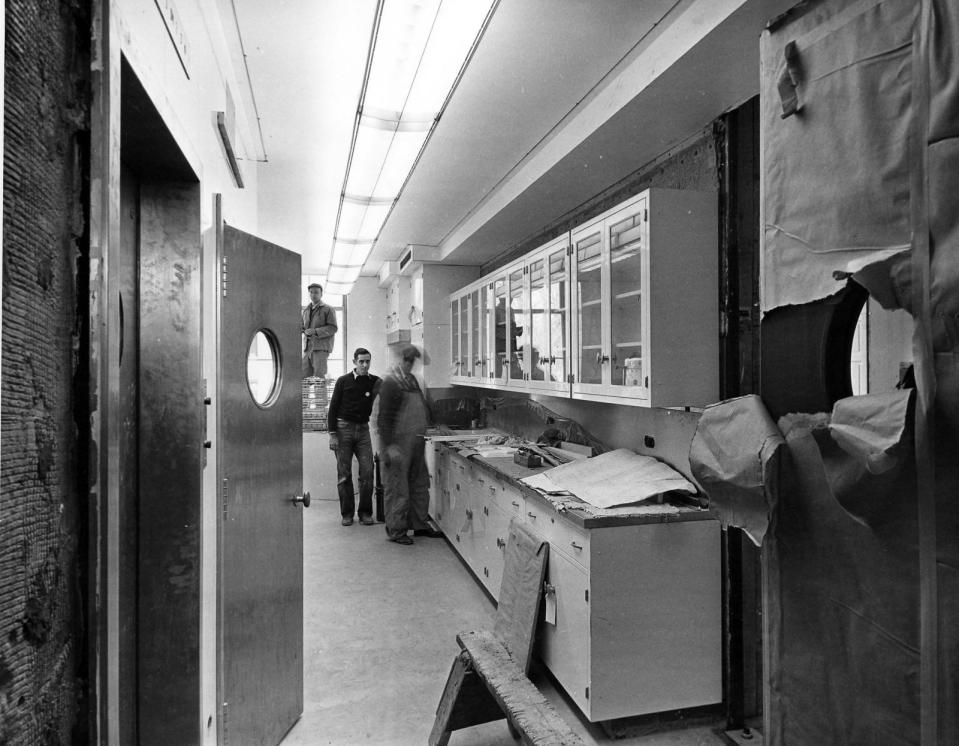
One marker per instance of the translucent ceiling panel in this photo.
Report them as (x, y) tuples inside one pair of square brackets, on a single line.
[(404, 28), (402, 154), (369, 153), (452, 37), (350, 254), (343, 275)]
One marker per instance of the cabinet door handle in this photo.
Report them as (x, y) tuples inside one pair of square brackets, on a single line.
[(515, 504), (469, 514), (500, 543), (575, 545), (531, 515)]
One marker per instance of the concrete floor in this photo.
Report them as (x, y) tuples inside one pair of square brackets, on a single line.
[(380, 633)]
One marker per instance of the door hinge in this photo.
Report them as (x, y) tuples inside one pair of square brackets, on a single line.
[(223, 275), (225, 492), (587, 692), (645, 216), (570, 378), (225, 723), (587, 595)]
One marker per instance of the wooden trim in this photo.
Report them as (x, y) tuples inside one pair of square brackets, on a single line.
[(103, 391)]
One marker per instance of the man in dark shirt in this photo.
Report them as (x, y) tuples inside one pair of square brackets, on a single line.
[(349, 424)]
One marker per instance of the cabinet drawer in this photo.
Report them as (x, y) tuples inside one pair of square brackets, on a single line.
[(560, 533), (509, 500)]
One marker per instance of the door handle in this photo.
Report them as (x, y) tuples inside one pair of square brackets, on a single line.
[(601, 358), (303, 499)]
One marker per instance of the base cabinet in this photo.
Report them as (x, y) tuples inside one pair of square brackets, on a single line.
[(637, 605)]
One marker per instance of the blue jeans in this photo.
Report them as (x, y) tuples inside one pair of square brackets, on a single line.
[(354, 439)]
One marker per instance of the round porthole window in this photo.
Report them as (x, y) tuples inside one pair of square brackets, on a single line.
[(263, 368)]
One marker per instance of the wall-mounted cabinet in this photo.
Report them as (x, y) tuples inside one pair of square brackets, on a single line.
[(512, 328), (398, 310), (432, 284), (623, 308)]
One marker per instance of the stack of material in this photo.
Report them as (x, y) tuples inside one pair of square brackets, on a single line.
[(316, 398)]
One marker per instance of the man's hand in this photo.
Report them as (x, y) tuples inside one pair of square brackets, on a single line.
[(334, 441), (309, 331)]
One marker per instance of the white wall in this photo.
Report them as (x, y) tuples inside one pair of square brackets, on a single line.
[(366, 323)]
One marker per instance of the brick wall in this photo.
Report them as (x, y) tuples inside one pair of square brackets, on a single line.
[(42, 508)]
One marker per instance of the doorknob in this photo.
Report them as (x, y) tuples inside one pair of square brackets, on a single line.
[(304, 499)]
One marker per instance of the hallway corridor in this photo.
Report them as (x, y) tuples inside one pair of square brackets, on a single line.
[(380, 632)]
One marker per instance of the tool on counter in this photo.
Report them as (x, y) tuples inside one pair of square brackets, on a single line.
[(524, 456)]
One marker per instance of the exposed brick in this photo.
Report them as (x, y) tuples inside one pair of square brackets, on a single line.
[(42, 503)]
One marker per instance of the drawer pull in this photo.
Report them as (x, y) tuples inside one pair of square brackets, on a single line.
[(575, 545), (531, 515), (515, 504), (500, 543)]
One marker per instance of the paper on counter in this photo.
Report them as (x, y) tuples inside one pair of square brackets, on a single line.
[(543, 483), (618, 477), (493, 451)]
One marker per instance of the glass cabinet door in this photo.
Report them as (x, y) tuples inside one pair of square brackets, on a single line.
[(558, 315), (626, 258), (588, 250), (538, 322), (501, 336), (479, 355), (518, 325), (455, 337), (465, 369)]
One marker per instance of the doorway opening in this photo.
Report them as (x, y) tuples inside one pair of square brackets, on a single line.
[(159, 407)]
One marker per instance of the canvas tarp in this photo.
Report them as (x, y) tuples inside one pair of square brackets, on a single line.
[(836, 171)]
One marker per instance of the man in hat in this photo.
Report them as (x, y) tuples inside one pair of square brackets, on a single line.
[(403, 418), (319, 326)]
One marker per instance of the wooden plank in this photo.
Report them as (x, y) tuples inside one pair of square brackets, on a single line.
[(527, 709), (465, 702)]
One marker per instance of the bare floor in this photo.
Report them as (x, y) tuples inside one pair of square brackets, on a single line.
[(380, 633)]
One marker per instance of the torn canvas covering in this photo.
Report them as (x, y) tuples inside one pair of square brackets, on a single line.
[(835, 147), (843, 613), (874, 428), (734, 455)]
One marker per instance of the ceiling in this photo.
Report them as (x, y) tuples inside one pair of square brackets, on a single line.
[(562, 99)]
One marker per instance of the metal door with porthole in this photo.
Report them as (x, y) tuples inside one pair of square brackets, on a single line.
[(260, 473)]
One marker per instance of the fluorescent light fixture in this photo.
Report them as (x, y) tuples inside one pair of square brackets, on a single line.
[(417, 53), (343, 275), (350, 253)]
